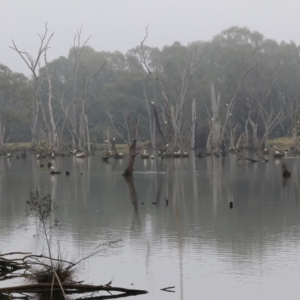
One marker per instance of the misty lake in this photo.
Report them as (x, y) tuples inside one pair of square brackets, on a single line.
[(196, 243)]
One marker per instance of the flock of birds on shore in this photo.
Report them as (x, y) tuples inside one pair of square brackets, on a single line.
[(50, 156)]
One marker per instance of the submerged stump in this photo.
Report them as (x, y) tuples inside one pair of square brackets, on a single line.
[(132, 154)]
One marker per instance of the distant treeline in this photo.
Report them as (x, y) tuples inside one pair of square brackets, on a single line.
[(238, 88)]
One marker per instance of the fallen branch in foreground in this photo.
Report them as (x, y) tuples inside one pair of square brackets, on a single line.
[(69, 288)]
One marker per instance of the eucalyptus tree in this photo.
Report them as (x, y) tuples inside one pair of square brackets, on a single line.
[(33, 63), (227, 61), (288, 89), (261, 92), (173, 72), (13, 91)]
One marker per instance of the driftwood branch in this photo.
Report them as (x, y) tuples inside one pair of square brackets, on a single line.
[(264, 159), (69, 288), (240, 156)]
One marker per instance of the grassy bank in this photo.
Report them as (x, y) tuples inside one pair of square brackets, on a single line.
[(282, 142), (27, 146)]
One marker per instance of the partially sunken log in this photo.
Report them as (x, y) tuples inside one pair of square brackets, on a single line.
[(240, 156)]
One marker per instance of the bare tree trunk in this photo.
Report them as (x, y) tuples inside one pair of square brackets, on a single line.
[(2, 136), (232, 135), (158, 123), (247, 131), (194, 124), (54, 138), (237, 145), (132, 148), (132, 154), (151, 123), (254, 134), (76, 132), (214, 137)]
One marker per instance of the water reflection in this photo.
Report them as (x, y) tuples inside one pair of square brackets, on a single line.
[(196, 242)]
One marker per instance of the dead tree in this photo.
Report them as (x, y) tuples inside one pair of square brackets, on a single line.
[(33, 64), (84, 122), (151, 121), (220, 120), (158, 123), (132, 147), (194, 125), (254, 133), (54, 134), (289, 99), (174, 104), (73, 114)]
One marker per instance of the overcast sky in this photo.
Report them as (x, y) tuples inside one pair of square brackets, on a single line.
[(120, 24)]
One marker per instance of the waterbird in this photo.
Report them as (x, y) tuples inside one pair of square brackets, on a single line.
[(145, 154), (167, 201), (231, 204), (154, 203), (67, 173)]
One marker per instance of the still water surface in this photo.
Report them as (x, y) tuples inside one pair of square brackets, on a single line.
[(196, 243)]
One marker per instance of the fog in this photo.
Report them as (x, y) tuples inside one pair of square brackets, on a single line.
[(120, 25)]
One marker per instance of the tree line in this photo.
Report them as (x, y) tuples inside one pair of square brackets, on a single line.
[(239, 88)]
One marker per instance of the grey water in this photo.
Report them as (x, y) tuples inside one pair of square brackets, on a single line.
[(195, 243)]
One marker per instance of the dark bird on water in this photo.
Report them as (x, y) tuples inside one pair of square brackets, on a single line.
[(231, 204), (42, 166), (167, 201), (154, 203), (49, 164), (67, 173)]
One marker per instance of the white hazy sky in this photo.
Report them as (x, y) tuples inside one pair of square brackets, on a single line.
[(120, 24)]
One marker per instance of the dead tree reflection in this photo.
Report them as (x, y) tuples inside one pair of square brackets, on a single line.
[(133, 197)]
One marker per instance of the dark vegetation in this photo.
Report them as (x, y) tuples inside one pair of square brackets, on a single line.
[(239, 89)]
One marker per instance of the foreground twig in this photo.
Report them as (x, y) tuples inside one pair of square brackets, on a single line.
[(167, 289)]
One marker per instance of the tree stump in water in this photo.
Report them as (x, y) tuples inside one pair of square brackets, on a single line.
[(132, 154)]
